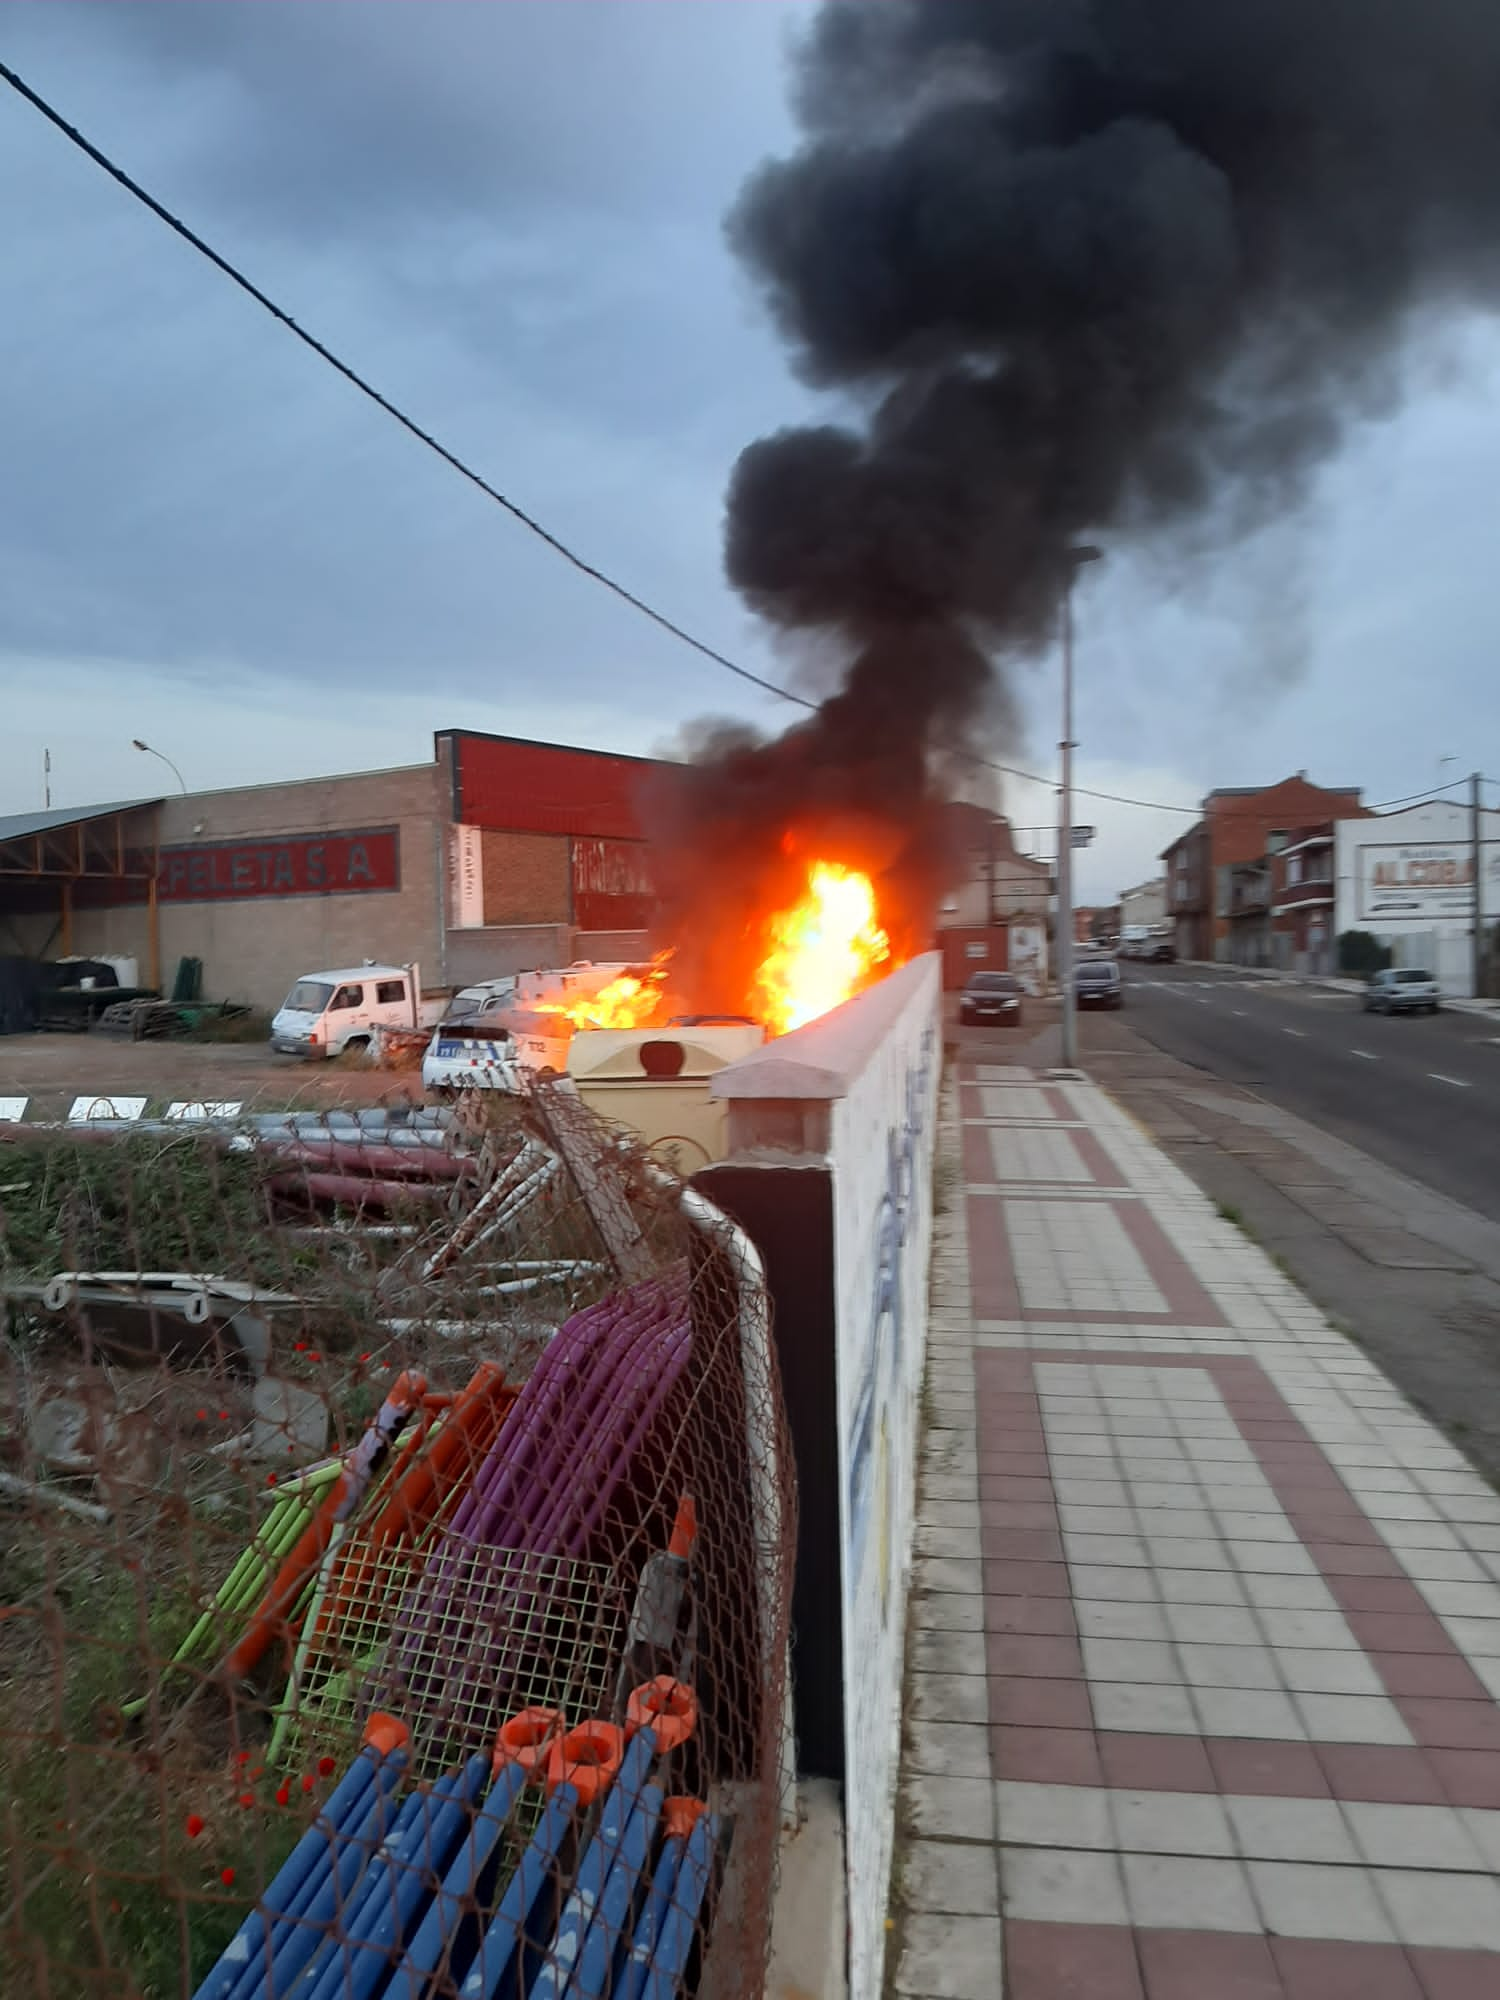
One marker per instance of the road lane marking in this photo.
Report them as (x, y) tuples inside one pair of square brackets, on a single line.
[(1298, 1032), (1364, 1055), (1239, 1013), (1457, 1081)]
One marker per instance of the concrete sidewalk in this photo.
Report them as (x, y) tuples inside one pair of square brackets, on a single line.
[(1205, 1620)]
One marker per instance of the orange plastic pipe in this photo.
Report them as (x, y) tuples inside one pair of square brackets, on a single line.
[(273, 1613)]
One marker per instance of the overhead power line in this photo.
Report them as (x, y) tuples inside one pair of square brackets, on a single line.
[(366, 388), (518, 513)]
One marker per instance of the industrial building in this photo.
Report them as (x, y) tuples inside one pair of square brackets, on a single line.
[(497, 855)]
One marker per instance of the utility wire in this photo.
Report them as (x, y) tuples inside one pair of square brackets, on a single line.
[(351, 375), (477, 479)]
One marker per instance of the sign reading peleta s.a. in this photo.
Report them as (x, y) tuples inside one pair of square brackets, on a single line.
[(308, 864)]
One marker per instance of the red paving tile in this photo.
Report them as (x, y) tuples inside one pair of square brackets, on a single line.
[(1377, 1593), (1339, 1559), (1397, 1632), (1003, 1445), (1008, 1491), (1048, 1617), (1070, 1962), (1137, 1762), (1456, 1975), (1002, 1515), (1453, 1725), (1317, 1969), (1013, 1465), (1431, 1675), (1207, 1965), (1382, 1773), (1022, 1545), (1046, 1756), (1266, 1768), (1040, 1704), (1034, 1656), (1026, 1579), (1468, 1778)]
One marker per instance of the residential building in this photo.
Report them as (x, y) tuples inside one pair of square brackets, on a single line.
[(1145, 906), (1408, 878), (1218, 874), (1302, 900)]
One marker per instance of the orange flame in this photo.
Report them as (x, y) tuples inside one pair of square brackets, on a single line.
[(630, 1001), (823, 950)]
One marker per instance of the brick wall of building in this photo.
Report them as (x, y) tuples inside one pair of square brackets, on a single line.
[(254, 945), (527, 878)]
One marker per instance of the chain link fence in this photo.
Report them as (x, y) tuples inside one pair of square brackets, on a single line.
[(330, 1447)]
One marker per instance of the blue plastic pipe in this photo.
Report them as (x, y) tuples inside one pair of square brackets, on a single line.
[(674, 1947), (463, 1887), (299, 1935), (648, 1924), (310, 1852), (329, 1970), (391, 1917), (594, 1866), (607, 1938), (524, 1921)]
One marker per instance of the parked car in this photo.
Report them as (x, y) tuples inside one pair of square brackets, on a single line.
[(1162, 950), (1097, 983), (991, 996), (1404, 989), (490, 1051)]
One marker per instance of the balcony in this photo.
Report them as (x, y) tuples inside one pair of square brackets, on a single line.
[(1304, 896)]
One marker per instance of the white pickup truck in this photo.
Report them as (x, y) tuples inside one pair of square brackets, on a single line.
[(328, 1012)]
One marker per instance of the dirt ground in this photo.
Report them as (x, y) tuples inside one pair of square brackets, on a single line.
[(52, 1070)]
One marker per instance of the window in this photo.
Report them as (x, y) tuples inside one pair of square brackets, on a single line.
[(346, 997), (308, 996), (1276, 841), (1294, 871), (390, 992)]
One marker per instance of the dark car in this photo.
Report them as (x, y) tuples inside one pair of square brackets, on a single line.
[(1097, 983), (991, 996)]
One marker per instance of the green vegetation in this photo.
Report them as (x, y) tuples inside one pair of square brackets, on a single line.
[(1361, 953), (103, 1885), (141, 1203)]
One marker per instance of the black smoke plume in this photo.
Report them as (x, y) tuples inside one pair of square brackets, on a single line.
[(1116, 269)]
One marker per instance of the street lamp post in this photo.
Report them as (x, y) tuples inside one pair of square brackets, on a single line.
[(137, 744), (1077, 557)]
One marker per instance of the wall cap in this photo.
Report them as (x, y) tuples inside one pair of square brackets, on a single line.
[(827, 1057)]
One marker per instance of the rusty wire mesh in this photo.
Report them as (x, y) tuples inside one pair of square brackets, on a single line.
[(202, 1326)]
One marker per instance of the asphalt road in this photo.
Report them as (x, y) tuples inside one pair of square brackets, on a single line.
[(1419, 1092)]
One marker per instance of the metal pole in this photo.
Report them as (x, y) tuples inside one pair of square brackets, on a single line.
[(1065, 846), (1477, 849)]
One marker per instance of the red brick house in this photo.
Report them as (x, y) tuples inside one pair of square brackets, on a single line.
[(1221, 881)]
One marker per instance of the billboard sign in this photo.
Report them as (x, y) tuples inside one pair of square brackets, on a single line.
[(1430, 879)]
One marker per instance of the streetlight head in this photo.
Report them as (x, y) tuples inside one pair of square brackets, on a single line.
[(137, 744), (1085, 552)]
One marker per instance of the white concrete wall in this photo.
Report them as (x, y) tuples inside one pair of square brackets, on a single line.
[(1389, 874), (873, 1067)]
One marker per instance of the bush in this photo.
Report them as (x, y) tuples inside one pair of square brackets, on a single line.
[(1361, 954)]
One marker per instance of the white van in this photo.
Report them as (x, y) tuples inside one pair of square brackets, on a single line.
[(328, 1012)]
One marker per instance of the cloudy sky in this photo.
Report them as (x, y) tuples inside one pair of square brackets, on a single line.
[(509, 217)]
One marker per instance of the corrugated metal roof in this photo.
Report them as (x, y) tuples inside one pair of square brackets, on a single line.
[(20, 826)]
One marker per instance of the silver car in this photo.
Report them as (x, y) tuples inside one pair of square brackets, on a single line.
[(1402, 989)]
